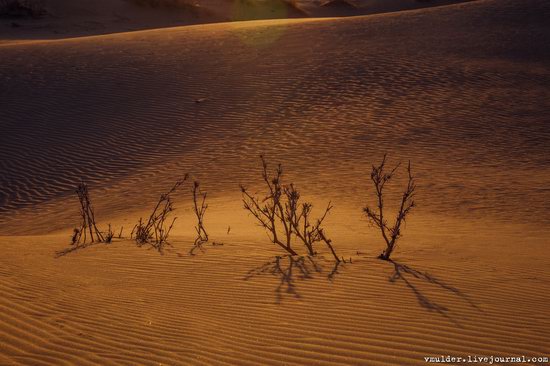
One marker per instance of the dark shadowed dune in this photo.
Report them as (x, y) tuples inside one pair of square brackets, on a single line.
[(336, 8), (57, 19), (251, 9)]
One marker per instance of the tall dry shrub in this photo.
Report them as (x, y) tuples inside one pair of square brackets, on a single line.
[(390, 232), (284, 217)]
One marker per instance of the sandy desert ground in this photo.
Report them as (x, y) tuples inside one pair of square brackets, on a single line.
[(460, 90)]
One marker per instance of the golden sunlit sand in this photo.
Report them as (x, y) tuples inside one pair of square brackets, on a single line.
[(461, 90)]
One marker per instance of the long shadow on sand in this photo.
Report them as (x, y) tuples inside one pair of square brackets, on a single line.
[(75, 248), (200, 248), (292, 270), (405, 273)]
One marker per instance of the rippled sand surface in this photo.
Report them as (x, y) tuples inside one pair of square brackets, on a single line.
[(462, 91)]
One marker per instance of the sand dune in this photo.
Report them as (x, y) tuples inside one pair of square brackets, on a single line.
[(460, 90), (70, 18), (62, 18), (332, 8), (346, 98)]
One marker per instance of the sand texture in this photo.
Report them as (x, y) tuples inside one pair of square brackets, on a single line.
[(460, 90)]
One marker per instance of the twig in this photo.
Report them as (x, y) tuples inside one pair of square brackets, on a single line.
[(390, 234), (282, 215), (199, 209), (155, 231)]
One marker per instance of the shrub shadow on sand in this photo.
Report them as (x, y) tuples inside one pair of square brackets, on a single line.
[(291, 270), (407, 275), (74, 248)]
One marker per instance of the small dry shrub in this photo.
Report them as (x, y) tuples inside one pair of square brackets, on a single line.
[(376, 216), (156, 229), (285, 218), (199, 207), (88, 231)]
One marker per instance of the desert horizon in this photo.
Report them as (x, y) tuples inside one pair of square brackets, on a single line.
[(274, 182)]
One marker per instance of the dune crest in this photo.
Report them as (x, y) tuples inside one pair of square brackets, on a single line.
[(56, 19)]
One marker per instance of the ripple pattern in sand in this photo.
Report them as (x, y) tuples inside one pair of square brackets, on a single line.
[(122, 305), (467, 103)]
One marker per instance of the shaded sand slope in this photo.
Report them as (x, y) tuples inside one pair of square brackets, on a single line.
[(460, 90), (66, 18), (70, 18), (357, 7)]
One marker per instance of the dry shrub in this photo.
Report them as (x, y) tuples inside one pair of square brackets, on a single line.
[(156, 229), (88, 226), (109, 235), (283, 216), (200, 210), (390, 233), (88, 230)]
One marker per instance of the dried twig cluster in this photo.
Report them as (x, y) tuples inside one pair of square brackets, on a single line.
[(88, 230), (390, 233), (280, 211), (283, 216), (156, 229), (199, 207)]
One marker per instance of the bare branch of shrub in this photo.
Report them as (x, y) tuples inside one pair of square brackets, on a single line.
[(299, 216), (87, 231), (199, 209), (109, 235), (155, 230), (282, 214), (390, 234), (88, 224), (269, 211), (328, 242)]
